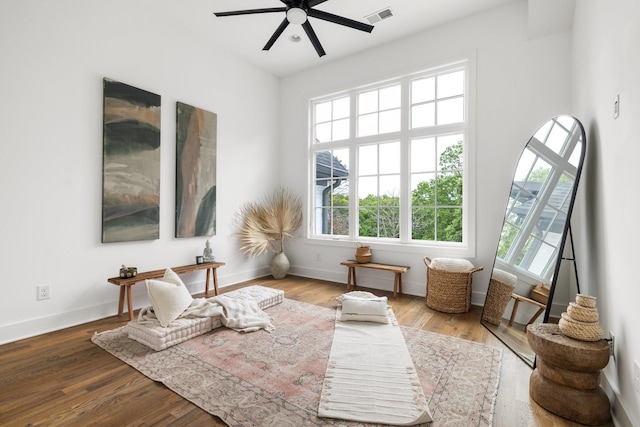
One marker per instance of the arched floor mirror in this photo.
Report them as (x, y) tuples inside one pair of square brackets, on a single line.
[(527, 267)]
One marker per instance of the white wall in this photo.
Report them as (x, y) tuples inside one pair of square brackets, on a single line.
[(54, 56), (606, 62), (521, 83)]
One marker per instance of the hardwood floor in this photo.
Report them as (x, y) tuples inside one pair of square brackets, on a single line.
[(62, 378)]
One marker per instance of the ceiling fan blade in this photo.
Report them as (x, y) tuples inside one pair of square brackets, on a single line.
[(276, 34), (251, 11), (325, 16), (313, 3), (314, 39)]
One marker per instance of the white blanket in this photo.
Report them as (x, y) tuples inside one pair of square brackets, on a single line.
[(242, 315), (199, 308), (237, 314), (370, 376)]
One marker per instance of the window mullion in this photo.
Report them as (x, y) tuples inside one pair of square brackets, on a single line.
[(353, 167), (405, 168)]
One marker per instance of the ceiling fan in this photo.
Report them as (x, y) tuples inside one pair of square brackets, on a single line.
[(297, 12)]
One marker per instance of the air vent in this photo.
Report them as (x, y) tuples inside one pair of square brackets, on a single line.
[(380, 15)]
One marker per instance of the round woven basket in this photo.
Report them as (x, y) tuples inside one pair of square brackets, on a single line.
[(586, 300), (498, 297), (582, 314), (363, 254), (583, 331)]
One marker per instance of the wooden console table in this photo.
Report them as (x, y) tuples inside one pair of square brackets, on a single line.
[(396, 269), (126, 283)]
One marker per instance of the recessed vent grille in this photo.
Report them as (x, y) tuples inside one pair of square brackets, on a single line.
[(380, 15)]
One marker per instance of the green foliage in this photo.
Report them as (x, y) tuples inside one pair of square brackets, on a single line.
[(436, 206), (436, 201)]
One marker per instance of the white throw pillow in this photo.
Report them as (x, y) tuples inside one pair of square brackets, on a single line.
[(364, 310), (452, 265), (169, 297), (356, 294)]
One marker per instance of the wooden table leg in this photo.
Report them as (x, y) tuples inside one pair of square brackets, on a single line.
[(206, 283), (129, 302), (535, 316), (513, 312), (351, 277), (215, 280), (397, 284), (121, 301)]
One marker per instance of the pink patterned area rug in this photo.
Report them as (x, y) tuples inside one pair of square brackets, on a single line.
[(275, 379)]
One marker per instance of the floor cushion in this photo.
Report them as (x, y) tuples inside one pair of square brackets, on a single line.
[(157, 337)]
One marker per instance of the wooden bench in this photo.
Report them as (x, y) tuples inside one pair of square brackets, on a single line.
[(396, 269), (126, 283), (519, 298)]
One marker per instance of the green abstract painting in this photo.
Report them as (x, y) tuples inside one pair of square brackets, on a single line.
[(131, 164), (196, 142)]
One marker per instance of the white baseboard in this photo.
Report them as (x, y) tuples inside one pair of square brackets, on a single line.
[(382, 280), (618, 412), (43, 325)]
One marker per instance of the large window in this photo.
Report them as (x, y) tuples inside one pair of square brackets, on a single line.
[(389, 160)]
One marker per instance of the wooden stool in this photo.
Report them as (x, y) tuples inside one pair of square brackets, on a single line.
[(566, 378)]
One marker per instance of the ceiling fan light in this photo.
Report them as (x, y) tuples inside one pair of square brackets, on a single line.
[(295, 15)]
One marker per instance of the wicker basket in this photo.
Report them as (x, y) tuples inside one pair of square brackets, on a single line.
[(582, 314), (498, 297), (363, 254), (583, 331), (586, 300), (448, 291)]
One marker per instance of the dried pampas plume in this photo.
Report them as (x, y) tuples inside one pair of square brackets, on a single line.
[(266, 224)]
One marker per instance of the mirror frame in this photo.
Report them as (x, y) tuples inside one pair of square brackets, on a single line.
[(566, 233)]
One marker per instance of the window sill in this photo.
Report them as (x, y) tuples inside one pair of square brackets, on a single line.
[(446, 250)]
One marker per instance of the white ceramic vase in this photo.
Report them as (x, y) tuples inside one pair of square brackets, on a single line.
[(279, 265)]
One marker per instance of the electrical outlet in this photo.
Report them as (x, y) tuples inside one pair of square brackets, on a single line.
[(44, 292), (318, 257), (636, 376), (612, 344), (616, 107)]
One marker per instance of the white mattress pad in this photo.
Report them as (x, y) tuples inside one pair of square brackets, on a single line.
[(157, 337)]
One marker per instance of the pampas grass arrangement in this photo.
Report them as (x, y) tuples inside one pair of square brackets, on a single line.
[(266, 224)]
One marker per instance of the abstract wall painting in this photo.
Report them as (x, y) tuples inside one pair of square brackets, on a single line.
[(196, 145), (131, 164)]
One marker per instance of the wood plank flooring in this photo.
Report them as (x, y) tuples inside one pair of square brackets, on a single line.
[(63, 379)]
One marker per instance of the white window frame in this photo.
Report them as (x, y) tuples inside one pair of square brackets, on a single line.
[(466, 248)]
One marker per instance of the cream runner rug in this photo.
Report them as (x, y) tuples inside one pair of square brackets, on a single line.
[(370, 376)]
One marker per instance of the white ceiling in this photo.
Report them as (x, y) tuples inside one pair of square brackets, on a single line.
[(245, 35)]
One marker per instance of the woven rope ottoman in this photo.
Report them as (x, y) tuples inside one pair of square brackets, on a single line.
[(449, 284)]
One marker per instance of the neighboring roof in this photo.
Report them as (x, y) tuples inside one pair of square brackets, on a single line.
[(560, 198), (323, 166)]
